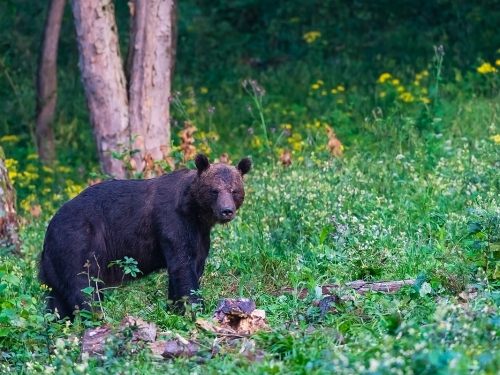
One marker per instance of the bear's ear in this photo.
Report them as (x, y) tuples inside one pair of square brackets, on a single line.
[(244, 166), (202, 163)]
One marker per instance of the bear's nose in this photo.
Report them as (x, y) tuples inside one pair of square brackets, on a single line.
[(226, 212)]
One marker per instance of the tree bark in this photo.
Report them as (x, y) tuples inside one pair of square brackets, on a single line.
[(150, 77), (173, 22), (46, 82), (103, 78), (8, 215)]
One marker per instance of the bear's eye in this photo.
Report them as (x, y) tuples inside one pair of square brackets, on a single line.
[(235, 192), (214, 192)]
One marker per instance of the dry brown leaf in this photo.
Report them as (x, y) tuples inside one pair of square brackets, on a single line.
[(286, 158), (93, 182), (35, 210), (334, 145), (165, 150), (187, 141), (224, 159)]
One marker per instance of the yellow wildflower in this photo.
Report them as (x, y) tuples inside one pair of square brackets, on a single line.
[(256, 142), (340, 101), (341, 88), (497, 62), (395, 82), (191, 110), (425, 100), (324, 92), (425, 73), (416, 83), (384, 77), (9, 163), (407, 97), (317, 124), (486, 68), (48, 180), (401, 88), (300, 158), (496, 138), (64, 169), (418, 77), (315, 86), (424, 90), (9, 138), (334, 91), (311, 36), (382, 94), (32, 168), (47, 169), (12, 176), (286, 126), (46, 191), (189, 88), (320, 82), (204, 148), (203, 90)]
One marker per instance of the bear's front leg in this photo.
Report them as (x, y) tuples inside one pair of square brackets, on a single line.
[(182, 282)]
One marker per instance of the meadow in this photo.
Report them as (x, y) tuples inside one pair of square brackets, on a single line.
[(389, 174)]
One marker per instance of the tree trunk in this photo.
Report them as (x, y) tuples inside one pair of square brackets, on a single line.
[(103, 78), (8, 216), (150, 76), (46, 82), (173, 21)]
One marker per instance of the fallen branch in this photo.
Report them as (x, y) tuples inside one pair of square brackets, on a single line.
[(358, 286)]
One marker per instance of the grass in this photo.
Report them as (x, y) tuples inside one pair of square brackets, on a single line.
[(414, 196), (394, 212)]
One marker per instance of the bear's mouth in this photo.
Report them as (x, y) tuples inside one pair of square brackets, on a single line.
[(225, 220)]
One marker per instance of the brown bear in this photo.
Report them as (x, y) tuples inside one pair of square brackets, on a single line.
[(163, 222)]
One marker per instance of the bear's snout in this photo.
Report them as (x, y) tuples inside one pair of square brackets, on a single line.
[(225, 209), (226, 214)]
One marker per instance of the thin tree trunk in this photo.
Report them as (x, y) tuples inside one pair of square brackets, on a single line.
[(150, 77), (8, 215), (46, 82), (103, 78)]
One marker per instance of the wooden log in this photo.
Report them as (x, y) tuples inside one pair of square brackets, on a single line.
[(358, 286)]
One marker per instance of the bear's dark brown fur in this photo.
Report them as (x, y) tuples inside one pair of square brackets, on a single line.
[(163, 222)]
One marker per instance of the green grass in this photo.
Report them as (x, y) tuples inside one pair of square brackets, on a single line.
[(394, 212), (416, 194)]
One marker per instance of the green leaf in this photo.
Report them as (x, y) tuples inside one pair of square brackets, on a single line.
[(2, 287), (88, 290), (324, 233), (4, 332), (496, 272), (11, 279)]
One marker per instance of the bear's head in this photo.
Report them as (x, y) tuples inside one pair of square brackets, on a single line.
[(219, 188)]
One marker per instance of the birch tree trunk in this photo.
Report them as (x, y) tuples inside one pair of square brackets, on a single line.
[(149, 87), (46, 82), (8, 215), (103, 78)]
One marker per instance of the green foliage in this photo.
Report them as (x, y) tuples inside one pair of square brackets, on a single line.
[(414, 196), (128, 266), (484, 232)]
